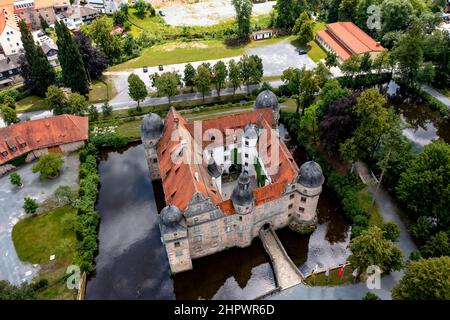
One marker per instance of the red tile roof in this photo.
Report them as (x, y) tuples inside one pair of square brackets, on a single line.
[(345, 38), (184, 178), (42, 133)]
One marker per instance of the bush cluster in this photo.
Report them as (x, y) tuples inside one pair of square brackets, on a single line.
[(347, 188)]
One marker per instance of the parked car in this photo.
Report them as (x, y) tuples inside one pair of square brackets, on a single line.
[(145, 69), (301, 51), (161, 68), (161, 13)]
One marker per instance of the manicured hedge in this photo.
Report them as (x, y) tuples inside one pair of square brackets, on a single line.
[(87, 219)]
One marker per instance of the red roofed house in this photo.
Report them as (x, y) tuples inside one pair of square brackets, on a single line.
[(225, 179), (346, 39), (61, 134)]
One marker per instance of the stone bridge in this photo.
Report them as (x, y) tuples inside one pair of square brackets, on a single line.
[(286, 272)]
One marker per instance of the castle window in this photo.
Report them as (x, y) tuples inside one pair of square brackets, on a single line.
[(198, 239), (289, 215), (225, 148), (240, 218), (214, 234), (196, 229), (291, 196), (227, 229), (246, 164), (303, 199), (227, 158), (178, 253), (177, 244), (290, 206), (195, 219), (155, 160), (214, 223), (301, 209), (246, 155)]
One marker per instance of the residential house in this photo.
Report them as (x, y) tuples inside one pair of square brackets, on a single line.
[(48, 46), (346, 39), (10, 41), (9, 70), (107, 6), (76, 16)]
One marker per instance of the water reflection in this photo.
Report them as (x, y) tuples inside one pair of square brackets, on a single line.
[(231, 274), (131, 263), (423, 124)]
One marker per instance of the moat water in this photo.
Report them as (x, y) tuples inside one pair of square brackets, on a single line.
[(423, 124), (132, 262)]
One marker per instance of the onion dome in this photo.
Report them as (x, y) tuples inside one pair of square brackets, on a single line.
[(152, 127), (213, 169), (242, 195), (310, 175), (250, 132), (170, 216), (266, 99)]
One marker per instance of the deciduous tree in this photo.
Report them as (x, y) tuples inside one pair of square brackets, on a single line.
[(48, 166), (203, 80), (372, 248), (167, 84), (219, 76), (425, 279), (136, 89), (189, 76), (234, 75), (243, 10)]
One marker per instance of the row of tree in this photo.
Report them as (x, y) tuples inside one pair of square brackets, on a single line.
[(248, 70)]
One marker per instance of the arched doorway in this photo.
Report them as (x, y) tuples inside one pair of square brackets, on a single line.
[(266, 226)]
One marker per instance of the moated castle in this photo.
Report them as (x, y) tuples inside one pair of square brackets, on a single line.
[(226, 178)]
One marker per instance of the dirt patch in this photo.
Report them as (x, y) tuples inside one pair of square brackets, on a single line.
[(169, 3), (183, 45)]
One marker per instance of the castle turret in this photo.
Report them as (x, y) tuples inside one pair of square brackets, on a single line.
[(242, 195), (268, 99), (308, 186), (152, 128), (215, 172), (174, 234)]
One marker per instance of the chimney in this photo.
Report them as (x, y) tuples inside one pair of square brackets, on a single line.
[(176, 121)]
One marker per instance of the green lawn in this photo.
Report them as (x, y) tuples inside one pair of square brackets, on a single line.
[(131, 129), (321, 279), (102, 90), (365, 201), (315, 52), (180, 52), (31, 103), (36, 238)]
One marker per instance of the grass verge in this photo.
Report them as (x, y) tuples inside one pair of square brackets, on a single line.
[(365, 201), (321, 279)]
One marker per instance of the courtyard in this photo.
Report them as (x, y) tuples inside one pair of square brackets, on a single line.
[(11, 202)]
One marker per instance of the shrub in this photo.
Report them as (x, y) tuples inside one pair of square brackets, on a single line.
[(391, 231), (109, 139), (15, 179), (48, 166), (30, 205)]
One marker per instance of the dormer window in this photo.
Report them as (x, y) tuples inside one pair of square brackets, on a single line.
[(4, 153)]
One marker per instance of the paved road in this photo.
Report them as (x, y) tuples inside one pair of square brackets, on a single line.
[(11, 202), (445, 100)]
